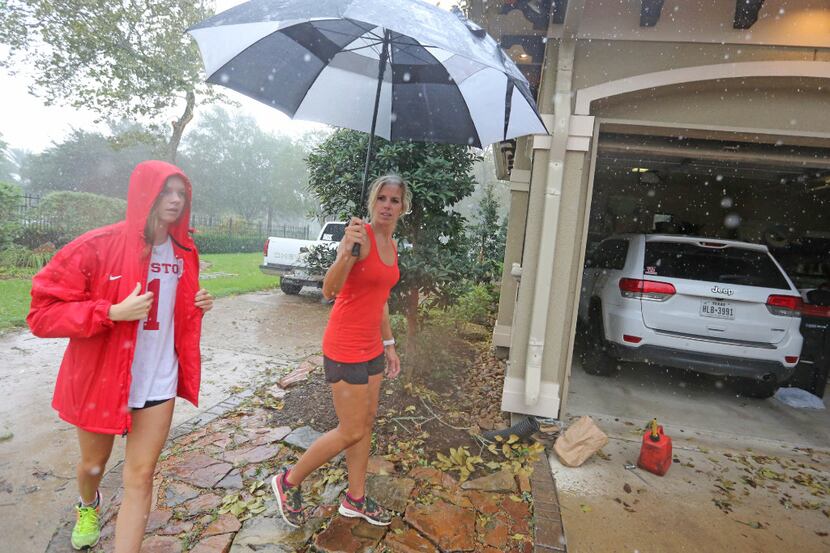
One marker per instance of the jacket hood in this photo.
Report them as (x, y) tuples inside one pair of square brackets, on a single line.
[(146, 183)]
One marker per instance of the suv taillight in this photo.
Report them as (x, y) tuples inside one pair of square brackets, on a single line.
[(265, 247), (784, 306), (646, 289)]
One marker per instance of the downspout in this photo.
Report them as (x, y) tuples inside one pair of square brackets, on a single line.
[(553, 193)]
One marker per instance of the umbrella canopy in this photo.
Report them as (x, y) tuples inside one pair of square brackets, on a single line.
[(442, 79)]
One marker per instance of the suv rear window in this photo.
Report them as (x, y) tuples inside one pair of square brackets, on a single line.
[(724, 265)]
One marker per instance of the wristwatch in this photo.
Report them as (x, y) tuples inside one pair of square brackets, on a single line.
[(390, 342)]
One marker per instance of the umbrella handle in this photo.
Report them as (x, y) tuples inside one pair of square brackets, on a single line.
[(384, 56)]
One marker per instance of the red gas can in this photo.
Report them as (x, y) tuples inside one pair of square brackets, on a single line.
[(655, 453)]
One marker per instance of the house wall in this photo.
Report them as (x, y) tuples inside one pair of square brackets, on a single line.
[(609, 46)]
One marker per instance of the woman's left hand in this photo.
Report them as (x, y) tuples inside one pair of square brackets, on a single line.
[(393, 362), (204, 300)]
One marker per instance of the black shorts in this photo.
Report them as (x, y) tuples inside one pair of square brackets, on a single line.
[(151, 403), (353, 373)]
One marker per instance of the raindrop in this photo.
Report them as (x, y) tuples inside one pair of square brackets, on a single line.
[(393, 117), (95, 471), (781, 11), (471, 140), (779, 142), (719, 178), (224, 78), (407, 77), (726, 203), (718, 384), (650, 193), (793, 122), (733, 220), (307, 57), (270, 77)]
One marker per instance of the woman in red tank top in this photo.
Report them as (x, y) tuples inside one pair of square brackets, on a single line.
[(358, 348)]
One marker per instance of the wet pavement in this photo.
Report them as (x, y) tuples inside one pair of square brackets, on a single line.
[(212, 496), (722, 493), (245, 340)]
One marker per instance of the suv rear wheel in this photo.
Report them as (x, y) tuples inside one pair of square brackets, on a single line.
[(290, 287), (596, 359)]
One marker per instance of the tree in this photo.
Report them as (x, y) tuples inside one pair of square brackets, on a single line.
[(10, 198), (241, 169), (91, 162), (487, 238), (433, 256), (8, 166), (119, 59)]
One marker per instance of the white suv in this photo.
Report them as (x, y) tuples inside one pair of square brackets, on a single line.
[(713, 306)]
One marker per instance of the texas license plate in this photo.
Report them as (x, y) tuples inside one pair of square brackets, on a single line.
[(717, 309)]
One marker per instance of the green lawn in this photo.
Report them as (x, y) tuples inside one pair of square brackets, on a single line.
[(243, 275), (14, 302)]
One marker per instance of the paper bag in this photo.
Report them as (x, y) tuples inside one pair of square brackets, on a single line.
[(581, 440)]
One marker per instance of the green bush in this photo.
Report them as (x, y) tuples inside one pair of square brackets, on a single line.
[(221, 242), (33, 236), (74, 213), (319, 258), (10, 197), (20, 257), (479, 305)]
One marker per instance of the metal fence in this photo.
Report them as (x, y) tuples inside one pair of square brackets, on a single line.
[(246, 229), (39, 227)]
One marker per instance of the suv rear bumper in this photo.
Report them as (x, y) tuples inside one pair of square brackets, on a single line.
[(718, 365)]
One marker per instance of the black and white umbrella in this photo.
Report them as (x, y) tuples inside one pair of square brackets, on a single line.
[(400, 69)]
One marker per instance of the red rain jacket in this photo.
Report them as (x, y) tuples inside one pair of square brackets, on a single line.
[(72, 294)]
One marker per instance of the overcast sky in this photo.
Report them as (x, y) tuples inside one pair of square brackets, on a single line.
[(26, 123)]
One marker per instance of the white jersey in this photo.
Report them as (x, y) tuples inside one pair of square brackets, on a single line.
[(155, 370)]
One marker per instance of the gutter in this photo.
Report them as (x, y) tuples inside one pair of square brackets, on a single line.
[(562, 100)]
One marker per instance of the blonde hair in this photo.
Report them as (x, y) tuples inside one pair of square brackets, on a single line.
[(392, 180)]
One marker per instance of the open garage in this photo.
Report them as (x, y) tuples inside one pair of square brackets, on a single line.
[(769, 190), (709, 122)]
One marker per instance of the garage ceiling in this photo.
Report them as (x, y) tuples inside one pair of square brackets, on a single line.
[(804, 168)]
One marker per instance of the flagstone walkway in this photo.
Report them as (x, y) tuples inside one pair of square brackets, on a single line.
[(212, 496)]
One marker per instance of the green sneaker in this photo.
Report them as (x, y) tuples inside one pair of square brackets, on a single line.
[(87, 529)]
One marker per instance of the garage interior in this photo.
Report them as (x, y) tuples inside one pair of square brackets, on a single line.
[(760, 189)]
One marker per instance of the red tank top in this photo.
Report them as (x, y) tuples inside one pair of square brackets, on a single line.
[(353, 332)]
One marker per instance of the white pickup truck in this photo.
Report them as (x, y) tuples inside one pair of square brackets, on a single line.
[(284, 257)]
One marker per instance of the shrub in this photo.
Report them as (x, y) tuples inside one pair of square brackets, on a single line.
[(74, 213), (10, 197), (20, 257), (319, 258), (479, 305), (35, 235), (221, 242)]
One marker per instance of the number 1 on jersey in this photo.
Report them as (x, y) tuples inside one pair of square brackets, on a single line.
[(152, 322)]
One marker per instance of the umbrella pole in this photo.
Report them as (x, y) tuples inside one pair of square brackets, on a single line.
[(384, 57)]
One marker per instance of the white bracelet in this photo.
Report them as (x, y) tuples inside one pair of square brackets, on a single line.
[(390, 342)]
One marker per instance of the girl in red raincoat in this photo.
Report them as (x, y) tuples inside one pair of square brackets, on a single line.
[(127, 296)]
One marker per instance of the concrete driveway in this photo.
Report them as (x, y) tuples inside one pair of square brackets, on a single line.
[(749, 475)]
